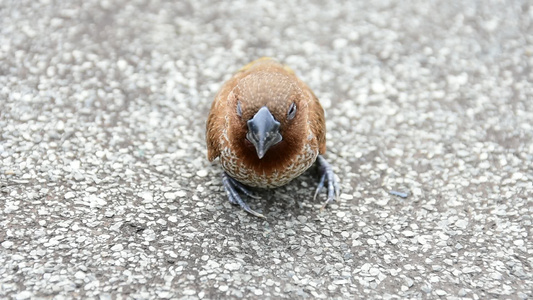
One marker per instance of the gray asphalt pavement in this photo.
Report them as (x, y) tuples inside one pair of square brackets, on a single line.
[(106, 191)]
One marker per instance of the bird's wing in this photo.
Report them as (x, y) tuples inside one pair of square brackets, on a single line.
[(214, 126)]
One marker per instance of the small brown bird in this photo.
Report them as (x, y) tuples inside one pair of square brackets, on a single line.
[(267, 127)]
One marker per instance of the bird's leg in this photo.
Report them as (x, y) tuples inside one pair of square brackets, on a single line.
[(242, 188), (327, 174), (231, 186)]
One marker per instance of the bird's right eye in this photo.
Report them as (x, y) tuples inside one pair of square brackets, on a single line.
[(239, 109)]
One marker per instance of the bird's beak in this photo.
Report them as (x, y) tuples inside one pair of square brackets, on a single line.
[(263, 131)]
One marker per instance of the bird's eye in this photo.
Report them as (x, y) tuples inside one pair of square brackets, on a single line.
[(239, 109), (292, 111)]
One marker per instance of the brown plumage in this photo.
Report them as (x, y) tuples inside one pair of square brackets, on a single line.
[(267, 127)]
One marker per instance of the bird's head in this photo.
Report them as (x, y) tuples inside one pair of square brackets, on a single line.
[(270, 111)]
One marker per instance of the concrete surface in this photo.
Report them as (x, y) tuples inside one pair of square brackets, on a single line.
[(106, 192)]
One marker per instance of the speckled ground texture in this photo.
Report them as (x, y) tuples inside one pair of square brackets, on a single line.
[(106, 192)]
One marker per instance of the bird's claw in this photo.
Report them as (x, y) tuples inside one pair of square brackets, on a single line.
[(327, 174), (231, 185)]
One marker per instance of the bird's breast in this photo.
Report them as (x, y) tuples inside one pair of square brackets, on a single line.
[(252, 173)]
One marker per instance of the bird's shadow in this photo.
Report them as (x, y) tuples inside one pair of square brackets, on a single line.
[(295, 198)]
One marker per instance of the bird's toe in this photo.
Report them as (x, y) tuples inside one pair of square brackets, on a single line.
[(327, 175), (231, 185)]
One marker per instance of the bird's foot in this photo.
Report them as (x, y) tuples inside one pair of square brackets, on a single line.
[(327, 174), (231, 186)]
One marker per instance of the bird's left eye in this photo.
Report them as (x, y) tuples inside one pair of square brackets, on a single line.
[(239, 109), (292, 111)]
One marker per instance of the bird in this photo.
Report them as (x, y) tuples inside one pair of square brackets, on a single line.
[(267, 127)]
